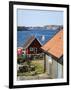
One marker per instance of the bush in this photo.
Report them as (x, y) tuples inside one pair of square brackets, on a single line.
[(21, 58)]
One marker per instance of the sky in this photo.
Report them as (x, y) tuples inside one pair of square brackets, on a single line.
[(39, 17)]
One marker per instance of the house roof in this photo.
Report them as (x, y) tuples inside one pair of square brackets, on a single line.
[(55, 45), (29, 41)]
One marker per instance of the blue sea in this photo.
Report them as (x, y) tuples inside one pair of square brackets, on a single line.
[(22, 36)]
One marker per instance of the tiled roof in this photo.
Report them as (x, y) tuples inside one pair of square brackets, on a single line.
[(55, 45)]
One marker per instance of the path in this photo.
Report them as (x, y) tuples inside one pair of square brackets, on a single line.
[(36, 77)]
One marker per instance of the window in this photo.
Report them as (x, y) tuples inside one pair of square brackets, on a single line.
[(31, 49), (50, 59), (35, 49)]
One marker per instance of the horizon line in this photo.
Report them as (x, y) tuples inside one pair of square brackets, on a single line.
[(39, 25)]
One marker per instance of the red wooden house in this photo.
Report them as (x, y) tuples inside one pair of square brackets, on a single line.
[(32, 46)]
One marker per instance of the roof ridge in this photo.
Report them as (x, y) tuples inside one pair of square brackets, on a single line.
[(29, 40)]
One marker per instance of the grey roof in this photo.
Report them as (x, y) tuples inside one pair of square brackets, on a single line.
[(28, 42)]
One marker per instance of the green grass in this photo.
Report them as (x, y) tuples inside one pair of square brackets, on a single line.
[(39, 69)]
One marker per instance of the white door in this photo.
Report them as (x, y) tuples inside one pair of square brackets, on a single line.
[(60, 70), (48, 64)]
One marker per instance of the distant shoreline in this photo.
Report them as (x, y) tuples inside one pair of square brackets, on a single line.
[(46, 27)]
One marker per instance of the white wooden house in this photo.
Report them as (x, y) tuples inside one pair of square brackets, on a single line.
[(53, 50)]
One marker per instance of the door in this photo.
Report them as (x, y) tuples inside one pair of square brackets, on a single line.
[(60, 70), (48, 64)]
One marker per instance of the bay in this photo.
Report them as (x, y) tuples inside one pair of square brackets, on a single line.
[(24, 35)]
